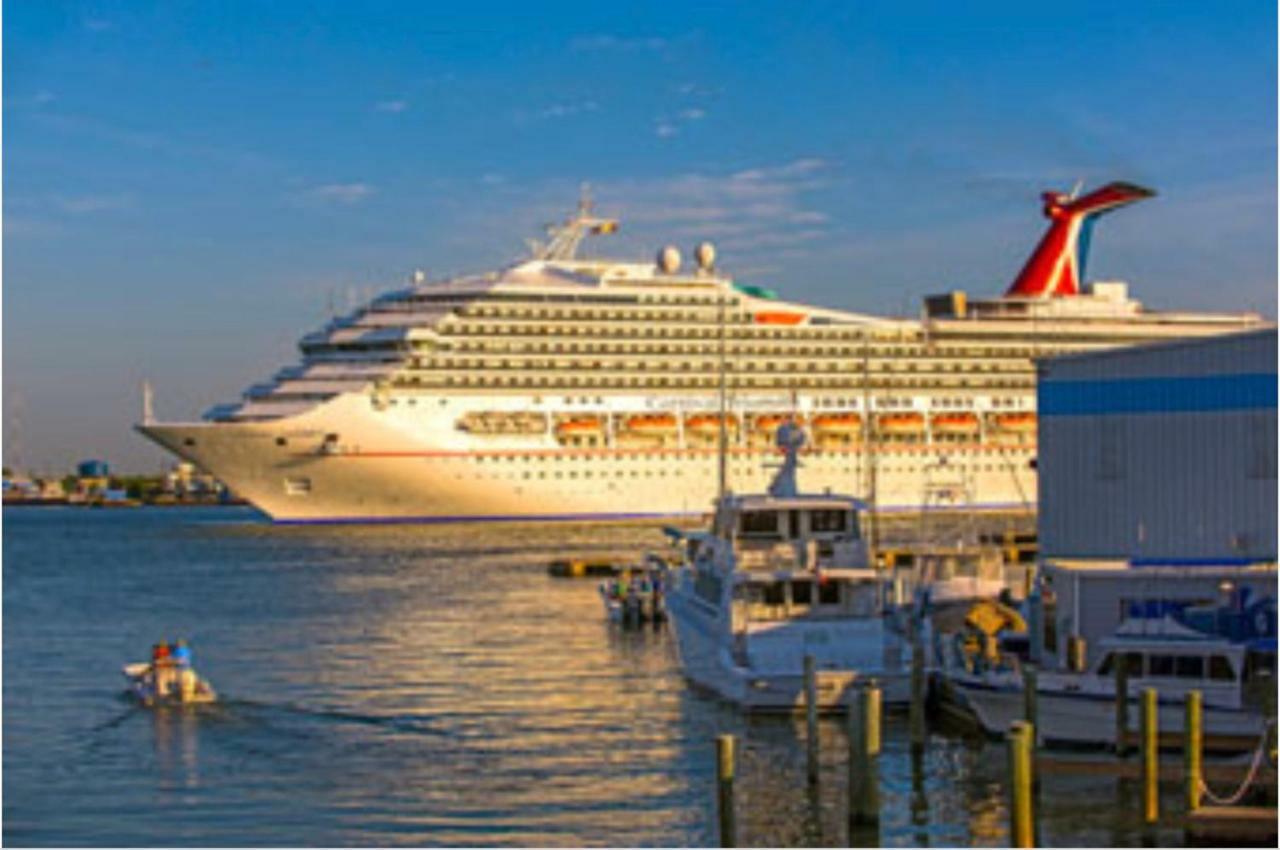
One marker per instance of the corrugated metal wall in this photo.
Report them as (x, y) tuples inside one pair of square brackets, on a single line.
[(1166, 452)]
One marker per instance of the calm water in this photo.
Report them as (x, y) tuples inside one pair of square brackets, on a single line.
[(408, 686)]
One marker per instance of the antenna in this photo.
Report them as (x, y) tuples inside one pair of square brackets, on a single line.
[(724, 427), (148, 414)]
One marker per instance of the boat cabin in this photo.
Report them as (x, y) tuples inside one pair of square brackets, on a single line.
[(793, 533), (760, 596)]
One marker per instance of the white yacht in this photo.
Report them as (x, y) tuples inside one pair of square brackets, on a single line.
[(779, 576), (1078, 708)]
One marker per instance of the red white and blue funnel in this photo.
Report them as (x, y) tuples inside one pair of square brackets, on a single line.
[(1056, 269)]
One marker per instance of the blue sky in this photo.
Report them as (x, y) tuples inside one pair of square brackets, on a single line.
[(187, 185)]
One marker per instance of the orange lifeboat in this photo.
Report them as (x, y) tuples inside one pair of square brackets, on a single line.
[(955, 423), (580, 427), (709, 423), (900, 423), (1022, 423), (651, 423), (772, 421), (838, 423)]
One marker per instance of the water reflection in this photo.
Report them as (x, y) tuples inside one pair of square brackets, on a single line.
[(411, 686)]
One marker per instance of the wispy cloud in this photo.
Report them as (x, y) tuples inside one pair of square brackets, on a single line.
[(667, 126), (567, 110), (587, 43), (492, 179), (340, 193), (89, 204), (393, 106)]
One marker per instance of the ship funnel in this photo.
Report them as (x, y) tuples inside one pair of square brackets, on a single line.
[(1056, 268)]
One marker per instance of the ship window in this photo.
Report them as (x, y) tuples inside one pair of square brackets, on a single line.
[(802, 592), (1220, 669), (1189, 667), (281, 441), (188, 441), (1160, 665), (831, 520), (759, 524), (774, 593)]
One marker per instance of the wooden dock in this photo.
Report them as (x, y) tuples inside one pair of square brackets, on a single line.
[(1171, 769), (1223, 824)]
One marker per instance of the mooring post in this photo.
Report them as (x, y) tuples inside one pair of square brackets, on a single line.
[(1192, 748), (1122, 703), (1030, 700), (1150, 731), (918, 694), (811, 718), (1021, 828), (864, 765), (724, 789)]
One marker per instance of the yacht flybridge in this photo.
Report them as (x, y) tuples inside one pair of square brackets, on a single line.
[(781, 575)]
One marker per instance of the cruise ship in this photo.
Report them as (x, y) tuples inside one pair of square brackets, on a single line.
[(564, 387)]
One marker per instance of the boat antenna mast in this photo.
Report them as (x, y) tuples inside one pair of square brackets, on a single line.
[(564, 240), (723, 454)]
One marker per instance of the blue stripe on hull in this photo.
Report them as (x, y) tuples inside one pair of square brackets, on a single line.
[(592, 517)]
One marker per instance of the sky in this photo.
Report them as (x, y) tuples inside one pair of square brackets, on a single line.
[(189, 187)]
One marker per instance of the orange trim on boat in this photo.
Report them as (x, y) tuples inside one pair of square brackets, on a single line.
[(651, 422)]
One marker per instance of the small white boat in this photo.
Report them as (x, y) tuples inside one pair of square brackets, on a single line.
[(184, 689), (638, 595), (1078, 709)]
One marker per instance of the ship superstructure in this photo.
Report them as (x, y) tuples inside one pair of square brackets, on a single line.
[(569, 388)]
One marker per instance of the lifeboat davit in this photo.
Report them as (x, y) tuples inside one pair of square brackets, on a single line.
[(838, 423), (651, 423), (900, 423), (1020, 422), (705, 423), (955, 423)]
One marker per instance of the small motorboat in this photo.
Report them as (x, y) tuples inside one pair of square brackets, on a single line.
[(186, 687), (636, 596)]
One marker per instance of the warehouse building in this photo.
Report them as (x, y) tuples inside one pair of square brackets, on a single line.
[(1157, 485)]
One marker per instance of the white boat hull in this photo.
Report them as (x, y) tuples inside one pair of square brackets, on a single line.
[(776, 683), (1088, 720)]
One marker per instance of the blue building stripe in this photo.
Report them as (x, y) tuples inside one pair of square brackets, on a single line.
[(1256, 391)]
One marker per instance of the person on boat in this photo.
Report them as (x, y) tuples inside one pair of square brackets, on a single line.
[(162, 672), (184, 674)]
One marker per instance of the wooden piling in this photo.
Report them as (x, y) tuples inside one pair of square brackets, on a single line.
[(1021, 827), (1150, 741), (811, 718), (724, 789), (918, 695), (1122, 704), (1030, 697), (1192, 748), (863, 782)]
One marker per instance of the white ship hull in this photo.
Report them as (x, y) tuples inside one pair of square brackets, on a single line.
[(394, 466)]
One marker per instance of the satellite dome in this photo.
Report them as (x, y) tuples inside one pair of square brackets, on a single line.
[(705, 254), (669, 259)]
